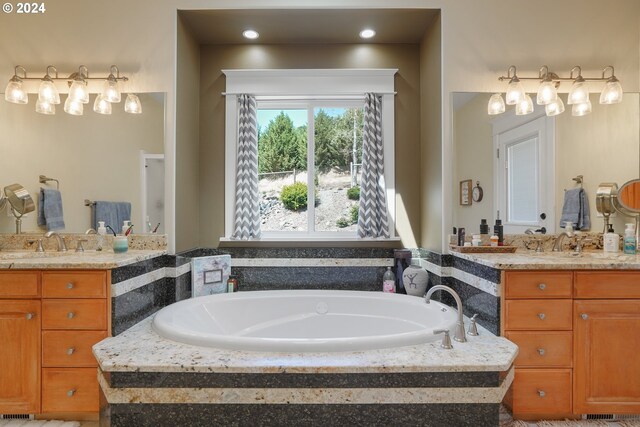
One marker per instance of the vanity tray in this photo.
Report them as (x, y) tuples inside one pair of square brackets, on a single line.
[(484, 249)]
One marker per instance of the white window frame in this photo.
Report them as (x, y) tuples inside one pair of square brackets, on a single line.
[(316, 87)]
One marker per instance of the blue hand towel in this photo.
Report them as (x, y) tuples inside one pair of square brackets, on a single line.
[(50, 209), (576, 209), (112, 213)]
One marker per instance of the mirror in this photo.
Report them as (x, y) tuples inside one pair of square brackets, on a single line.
[(603, 146), (20, 201), (94, 157), (629, 197)]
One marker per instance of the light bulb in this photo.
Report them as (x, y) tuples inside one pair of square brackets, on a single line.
[(367, 33), (515, 92), (554, 108), (73, 107), (546, 93), (612, 92), (79, 92), (111, 91), (132, 104), (579, 93), (581, 109), (525, 106), (250, 34), (44, 107), (14, 92), (102, 105), (496, 105), (47, 92)]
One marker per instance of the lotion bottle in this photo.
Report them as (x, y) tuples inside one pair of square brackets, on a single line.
[(630, 239), (389, 281), (125, 226), (102, 231), (611, 240)]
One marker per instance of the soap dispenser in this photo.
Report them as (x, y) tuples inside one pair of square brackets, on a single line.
[(125, 227), (611, 240), (102, 231), (630, 239)]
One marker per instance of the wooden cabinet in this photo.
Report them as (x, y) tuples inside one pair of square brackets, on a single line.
[(47, 330)]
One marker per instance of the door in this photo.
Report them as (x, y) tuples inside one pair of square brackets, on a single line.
[(524, 174), (19, 356), (606, 361)]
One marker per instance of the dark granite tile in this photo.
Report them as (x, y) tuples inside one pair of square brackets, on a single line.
[(377, 380), (291, 252), (180, 260), (489, 273), (139, 268), (206, 415), (183, 286), (345, 278), (434, 279)]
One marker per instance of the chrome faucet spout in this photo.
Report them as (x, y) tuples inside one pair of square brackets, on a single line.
[(557, 244), (459, 334), (62, 247)]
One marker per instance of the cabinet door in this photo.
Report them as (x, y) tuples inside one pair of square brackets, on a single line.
[(19, 356), (606, 362)]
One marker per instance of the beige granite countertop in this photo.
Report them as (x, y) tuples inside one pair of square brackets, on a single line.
[(141, 349), (107, 259), (530, 260)]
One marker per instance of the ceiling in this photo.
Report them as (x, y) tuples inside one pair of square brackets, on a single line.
[(309, 26)]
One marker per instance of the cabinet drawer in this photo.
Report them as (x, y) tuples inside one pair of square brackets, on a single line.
[(536, 284), (70, 348), (607, 284), (70, 390), (74, 314), (536, 314), (542, 391), (542, 349), (19, 284), (74, 284)]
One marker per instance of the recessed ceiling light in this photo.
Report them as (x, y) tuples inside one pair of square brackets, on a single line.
[(367, 33), (250, 34)]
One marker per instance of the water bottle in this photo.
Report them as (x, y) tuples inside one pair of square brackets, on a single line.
[(389, 281)]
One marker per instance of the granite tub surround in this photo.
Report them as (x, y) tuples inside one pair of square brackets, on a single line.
[(103, 260), (148, 380), (19, 242)]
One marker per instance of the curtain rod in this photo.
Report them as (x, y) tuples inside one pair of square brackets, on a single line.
[(309, 96)]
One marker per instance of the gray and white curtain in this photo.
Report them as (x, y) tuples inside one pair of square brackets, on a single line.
[(247, 218), (372, 213)]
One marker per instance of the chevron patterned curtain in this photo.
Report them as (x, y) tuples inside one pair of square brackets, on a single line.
[(372, 213), (247, 219)]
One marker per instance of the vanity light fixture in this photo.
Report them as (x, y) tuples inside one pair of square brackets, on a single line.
[(102, 105), (547, 93), (367, 33), (44, 107), (73, 106), (111, 91), (250, 34), (78, 90), (47, 92), (132, 104), (14, 92)]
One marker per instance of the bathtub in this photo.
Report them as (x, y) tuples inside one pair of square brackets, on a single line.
[(304, 321)]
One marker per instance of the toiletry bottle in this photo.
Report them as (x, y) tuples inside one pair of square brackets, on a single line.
[(453, 237), (125, 226), (568, 227), (232, 284), (461, 236), (630, 239), (611, 240), (494, 240), (498, 230), (476, 241), (389, 281), (102, 231), (484, 233)]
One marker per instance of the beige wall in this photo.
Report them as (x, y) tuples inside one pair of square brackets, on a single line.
[(93, 156), (407, 111), (187, 212)]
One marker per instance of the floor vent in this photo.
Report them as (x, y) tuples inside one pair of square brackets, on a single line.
[(16, 417), (612, 417)]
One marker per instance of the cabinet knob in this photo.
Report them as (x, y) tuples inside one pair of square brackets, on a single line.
[(541, 351), (584, 316), (70, 351), (71, 315), (70, 285), (71, 392), (30, 316), (542, 286), (541, 316), (541, 393)]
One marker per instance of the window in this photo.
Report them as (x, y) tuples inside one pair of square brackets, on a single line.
[(309, 149)]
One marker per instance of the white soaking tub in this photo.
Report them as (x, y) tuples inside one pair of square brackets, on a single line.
[(304, 321)]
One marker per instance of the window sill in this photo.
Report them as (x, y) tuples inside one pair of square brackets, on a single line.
[(313, 241)]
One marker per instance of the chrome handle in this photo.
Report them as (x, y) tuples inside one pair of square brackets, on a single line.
[(71, 392), (584, 316), (70, 351), (541, 316), (541, 393), (446, 340), (542, 286), (71, 315), (541, 351), (70, 285), (30, 316)]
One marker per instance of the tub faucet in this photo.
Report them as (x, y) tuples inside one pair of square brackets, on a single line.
[(61, 245), (459, 335)]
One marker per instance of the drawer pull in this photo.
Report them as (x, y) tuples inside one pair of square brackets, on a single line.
[(542, 286), (541, 351), (71, 392), (30, 316), (70, 351), (541, 393), (70, 285), (71, 315), (584, 316), (541, 316)]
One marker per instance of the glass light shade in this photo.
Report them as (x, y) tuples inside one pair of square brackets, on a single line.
[(525, 106), (581, 109), (48, 92), (612, 92), (111, 91), (44, 107), (579, 93), (132, 104), (547, 93), (102, 105), (496, 105), (554, 108), (515, 92), (73, 107), (14, 92), (79, 92)]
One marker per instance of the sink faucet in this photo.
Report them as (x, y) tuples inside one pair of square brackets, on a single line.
[(557, 244), (459, 334), (61, 245)]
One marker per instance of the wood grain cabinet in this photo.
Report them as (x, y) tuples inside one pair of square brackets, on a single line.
[(49, 320)]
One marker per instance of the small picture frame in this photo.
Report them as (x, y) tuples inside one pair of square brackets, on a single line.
[(212, 276), (466, 192)]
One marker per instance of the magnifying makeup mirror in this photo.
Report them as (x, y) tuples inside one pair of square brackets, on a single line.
[(20, 201)]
